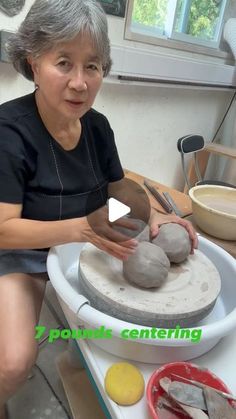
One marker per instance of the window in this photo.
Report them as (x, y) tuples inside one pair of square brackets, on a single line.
[(177, 23)]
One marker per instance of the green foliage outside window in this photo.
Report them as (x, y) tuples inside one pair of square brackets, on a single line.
[(150, 12), (202, 19)]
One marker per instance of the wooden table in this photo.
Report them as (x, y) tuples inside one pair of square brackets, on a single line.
[(182, 200), (184, 203)]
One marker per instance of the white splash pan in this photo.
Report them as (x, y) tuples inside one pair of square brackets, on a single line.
[(63, 267)]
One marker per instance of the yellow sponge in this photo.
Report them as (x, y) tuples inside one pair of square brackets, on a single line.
[(124, 383)]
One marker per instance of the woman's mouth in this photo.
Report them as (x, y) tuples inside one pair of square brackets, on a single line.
[(75, 102)]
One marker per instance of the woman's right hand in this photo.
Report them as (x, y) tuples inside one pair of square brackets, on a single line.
[(97, 230)]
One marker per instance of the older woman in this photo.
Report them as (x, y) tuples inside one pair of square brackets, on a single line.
[(57, 159)]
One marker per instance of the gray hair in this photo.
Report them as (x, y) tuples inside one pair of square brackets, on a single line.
[(49, 22)]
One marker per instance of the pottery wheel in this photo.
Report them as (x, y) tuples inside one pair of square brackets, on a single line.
[(187, 296)]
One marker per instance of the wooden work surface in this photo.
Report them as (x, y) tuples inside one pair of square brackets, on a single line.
[(182, 200)]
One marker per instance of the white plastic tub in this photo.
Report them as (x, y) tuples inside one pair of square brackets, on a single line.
[(63, 267)]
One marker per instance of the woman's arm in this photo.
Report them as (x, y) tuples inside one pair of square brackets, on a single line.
[(20, 233)]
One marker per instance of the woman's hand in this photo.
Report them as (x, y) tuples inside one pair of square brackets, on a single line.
[(97, 230), (157, 219)]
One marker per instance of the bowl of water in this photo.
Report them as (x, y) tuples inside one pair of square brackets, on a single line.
[(214, 210)]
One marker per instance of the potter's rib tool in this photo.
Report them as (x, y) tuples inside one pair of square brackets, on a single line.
[(192, 411), (187, 394), (201, 385), (217, 406), (165, 205), (164, 402)]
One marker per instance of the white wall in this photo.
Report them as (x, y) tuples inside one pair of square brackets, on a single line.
[(11, 83), (147, 120)]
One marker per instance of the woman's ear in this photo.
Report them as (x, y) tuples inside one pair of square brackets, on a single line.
[(34, 66)]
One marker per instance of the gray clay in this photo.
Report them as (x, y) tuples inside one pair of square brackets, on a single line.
[(141, 234), (147, 267), (174, 240)]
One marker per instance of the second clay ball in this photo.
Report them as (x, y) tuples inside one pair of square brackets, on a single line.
[(175, 242)]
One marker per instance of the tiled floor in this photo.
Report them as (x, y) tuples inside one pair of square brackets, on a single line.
[(35, 400)]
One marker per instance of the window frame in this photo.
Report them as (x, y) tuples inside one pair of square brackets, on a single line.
[(178, 40)]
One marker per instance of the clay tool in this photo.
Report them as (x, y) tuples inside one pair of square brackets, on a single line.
[(165, 402), (165, 205), (172, 204), (217, 406), (187, 394), (192, 411), (203, 386)]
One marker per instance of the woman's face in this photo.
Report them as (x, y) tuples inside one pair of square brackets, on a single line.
[(68, 78)]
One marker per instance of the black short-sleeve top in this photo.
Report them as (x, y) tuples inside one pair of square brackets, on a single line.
[(50, 182)]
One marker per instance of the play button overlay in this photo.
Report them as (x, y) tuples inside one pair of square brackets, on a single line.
[(111, 206), (116, 210)]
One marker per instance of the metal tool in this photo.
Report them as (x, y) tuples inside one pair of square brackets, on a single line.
[(192, 411), (217, 406), (165, 402), (201, 385), (165, 205), (173, 204), (188, 394)]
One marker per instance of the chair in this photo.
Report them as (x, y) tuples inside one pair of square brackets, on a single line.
[(194, 175)]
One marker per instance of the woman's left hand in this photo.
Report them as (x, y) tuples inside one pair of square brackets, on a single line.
[(157, 219)]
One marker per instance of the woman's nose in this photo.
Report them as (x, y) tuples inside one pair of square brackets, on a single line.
[(78, 81)]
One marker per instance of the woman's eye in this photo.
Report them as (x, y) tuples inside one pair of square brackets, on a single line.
[(64, 64), (93, 67)]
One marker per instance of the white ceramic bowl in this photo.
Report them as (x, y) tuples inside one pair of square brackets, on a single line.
[(214, 210), (63, 265)]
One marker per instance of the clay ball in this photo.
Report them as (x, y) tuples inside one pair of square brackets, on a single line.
[(147, 267), (174, 240), (141, 234)]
